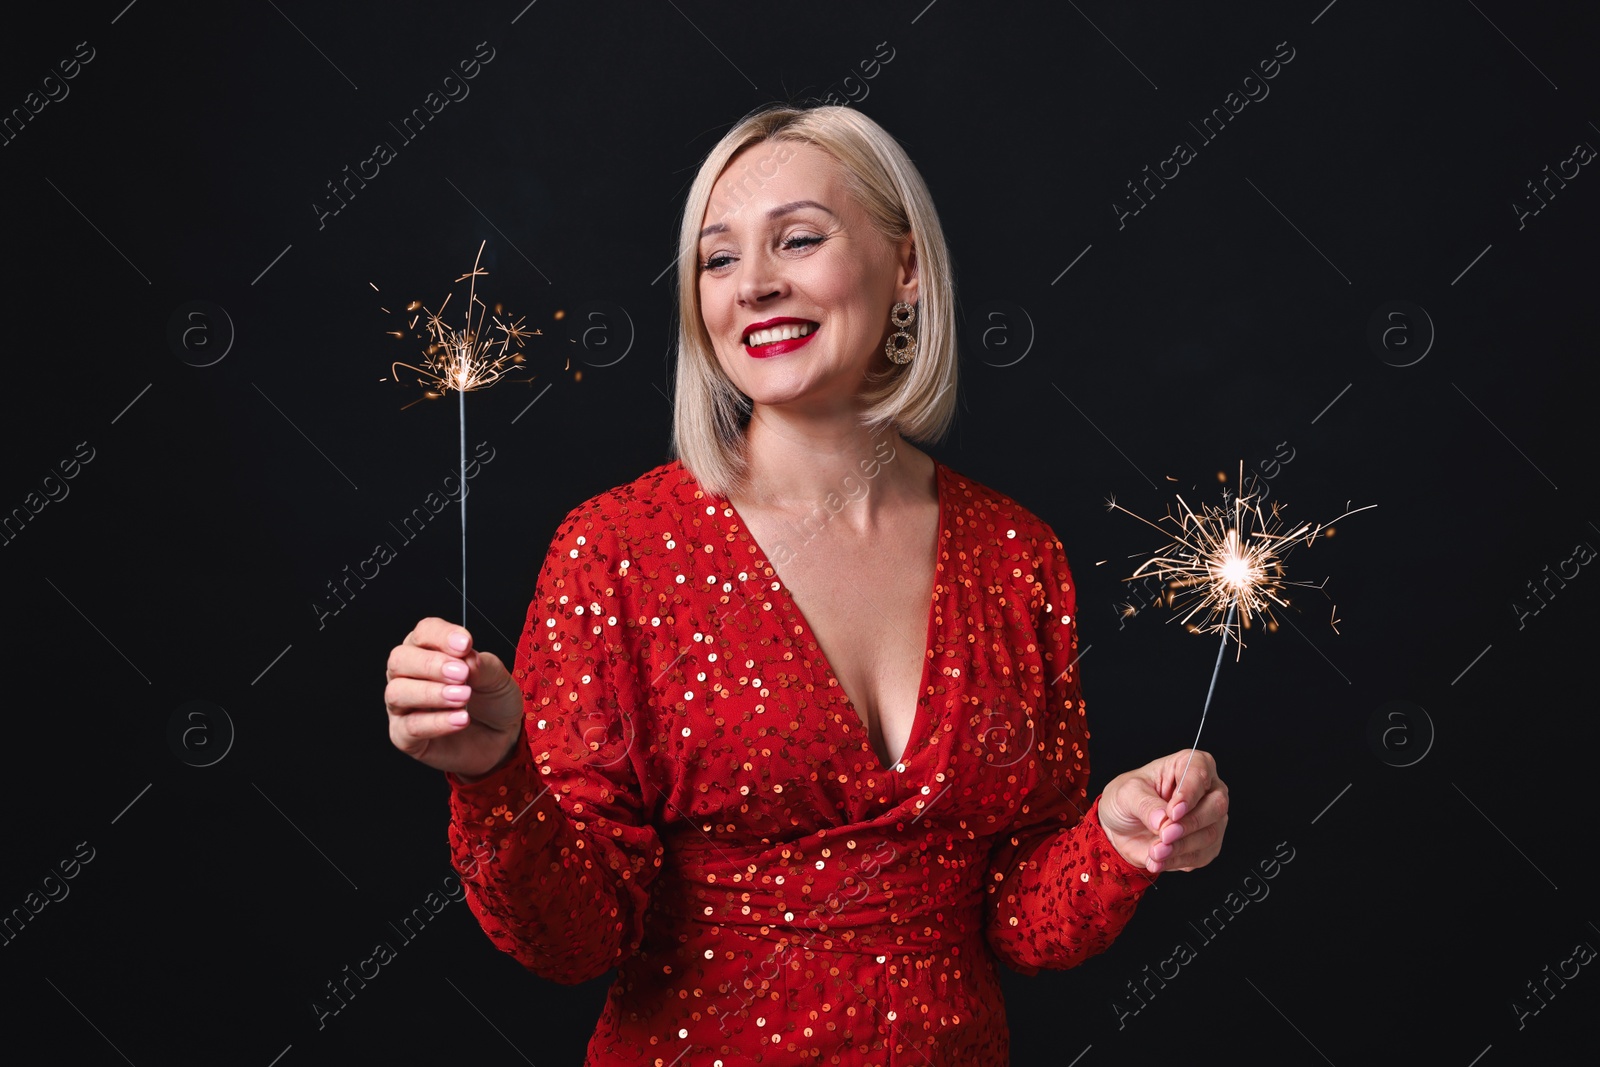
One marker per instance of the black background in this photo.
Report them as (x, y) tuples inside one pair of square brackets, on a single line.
[(1227, 321)]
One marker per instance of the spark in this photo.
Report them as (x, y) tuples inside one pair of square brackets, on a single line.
[(464, 360), (470, 357), (1224, 568), (1225, 565)]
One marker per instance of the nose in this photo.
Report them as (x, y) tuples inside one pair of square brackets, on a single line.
[(761, 278)]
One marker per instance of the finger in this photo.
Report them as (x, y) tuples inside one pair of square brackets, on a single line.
[(1148, 807), (488, 671), (1135, 800), (411, 661), (1208, 809), (403, 696), (1199, 779), (1199, 848), (409, 732), (441, 635), (1200, 845)]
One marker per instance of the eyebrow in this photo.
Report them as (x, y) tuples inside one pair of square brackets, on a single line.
[(780, 210)]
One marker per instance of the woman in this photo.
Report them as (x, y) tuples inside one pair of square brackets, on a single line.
[(794, 737)]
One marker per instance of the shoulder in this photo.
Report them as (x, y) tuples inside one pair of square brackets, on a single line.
[(1011, 545), (664, 487), (995, 520), (610, 522)]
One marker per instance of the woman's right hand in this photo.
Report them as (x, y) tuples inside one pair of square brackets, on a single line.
[(450, 706)]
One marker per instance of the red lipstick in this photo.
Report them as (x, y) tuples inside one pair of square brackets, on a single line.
[(778, 348)]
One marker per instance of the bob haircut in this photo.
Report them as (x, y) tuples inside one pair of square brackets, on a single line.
[(918, 398)]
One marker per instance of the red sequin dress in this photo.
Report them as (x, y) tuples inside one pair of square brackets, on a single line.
[(698, 806)]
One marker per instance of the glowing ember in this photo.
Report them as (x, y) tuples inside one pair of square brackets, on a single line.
[(1225, 564), (464, 360), (469, 358)]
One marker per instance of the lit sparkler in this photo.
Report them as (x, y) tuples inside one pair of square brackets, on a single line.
[(1225, 566), (464, 360)]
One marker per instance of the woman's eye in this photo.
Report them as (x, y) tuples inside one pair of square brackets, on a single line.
[(722, 259)]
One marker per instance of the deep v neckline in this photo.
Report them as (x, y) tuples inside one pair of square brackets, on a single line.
[(856, 722)]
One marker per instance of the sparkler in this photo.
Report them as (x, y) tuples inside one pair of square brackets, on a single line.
[(1225, 565), (464, 360)]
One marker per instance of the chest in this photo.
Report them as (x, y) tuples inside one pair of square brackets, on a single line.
[(867, 602)]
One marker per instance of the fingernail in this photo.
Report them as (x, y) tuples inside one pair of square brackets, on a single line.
[(455, 670), (459, 718), (457, 692), (458, 642), (1181, 810)]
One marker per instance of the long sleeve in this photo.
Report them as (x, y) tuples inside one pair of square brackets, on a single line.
[(555, 849), (1057, 890)]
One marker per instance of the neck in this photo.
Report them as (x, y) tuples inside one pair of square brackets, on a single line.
[(794, 466)]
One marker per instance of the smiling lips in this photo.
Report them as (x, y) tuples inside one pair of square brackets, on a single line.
[(777, 336)]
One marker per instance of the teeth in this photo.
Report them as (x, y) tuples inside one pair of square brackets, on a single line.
[(786, 332)]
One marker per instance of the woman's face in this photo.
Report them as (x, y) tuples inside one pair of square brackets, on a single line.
[(784, 241)]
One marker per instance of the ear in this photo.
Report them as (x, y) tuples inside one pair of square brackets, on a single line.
[(909, 282)]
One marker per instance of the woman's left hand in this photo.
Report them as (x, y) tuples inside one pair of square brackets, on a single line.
[(1157, 829)]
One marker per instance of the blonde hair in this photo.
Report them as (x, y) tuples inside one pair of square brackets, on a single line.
[(917, 398)]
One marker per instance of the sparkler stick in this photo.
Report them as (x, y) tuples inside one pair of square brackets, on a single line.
[(1210, 689), (465, 360), (1226, 563), (461, 420)]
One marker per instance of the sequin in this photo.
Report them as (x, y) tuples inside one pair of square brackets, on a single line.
[(697, 806)]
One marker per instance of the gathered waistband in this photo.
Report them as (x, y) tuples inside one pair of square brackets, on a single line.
[(850, 894)]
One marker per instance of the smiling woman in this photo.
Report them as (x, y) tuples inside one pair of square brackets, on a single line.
[(804, 801), (875, 210)]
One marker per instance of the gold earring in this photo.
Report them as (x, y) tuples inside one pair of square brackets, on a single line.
[(901, 346)]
